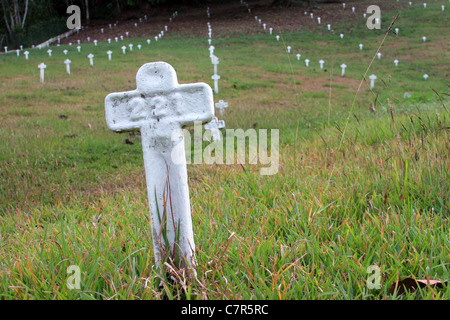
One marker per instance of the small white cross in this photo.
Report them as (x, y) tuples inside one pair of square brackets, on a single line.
[(221, 105), (91, 59), (160, 108), (343, 66), (109, 53), (372, 78)]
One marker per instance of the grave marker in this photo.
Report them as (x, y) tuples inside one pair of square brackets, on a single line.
[(49, 51), (160, 108), (91, 59), (26, 53), (425, 76), (123, 49), (298, 56), (396, 62), (321, 62), (372, 78), (360, 46), (221, 105), (307, 62), (343, 66), (41, 67), (109, 53), (67, 63)]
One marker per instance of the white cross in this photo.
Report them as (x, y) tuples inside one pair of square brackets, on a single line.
[(288, 49), (26, 53), (424, 39), (18, 52), (65, 52), (342, 36), (396, 62), (116, 39), (214, 127), (6, 49), (425, 76), (131, 46), (372, 78), (321, 62), (211, 51), (379, 55), (318, 20), (160, 108), (78, 48), (360, 46), (123, 49), (424, 5), (41, 67), (67, 63), (298, 56), (148, 41), (270, 30), (329, 27), (95, 42), (343, 66), (91, 59), (139, 47), (307, 62), (397, 30), (221, 105), (278, 38), (49, 51), (109, 53)]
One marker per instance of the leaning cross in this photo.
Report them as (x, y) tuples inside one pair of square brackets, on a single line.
[(91, 59), (160, 108)]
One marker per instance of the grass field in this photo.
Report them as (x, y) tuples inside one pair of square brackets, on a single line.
[(363, 178)]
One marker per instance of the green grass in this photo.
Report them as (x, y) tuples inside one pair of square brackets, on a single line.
[(357, 186)]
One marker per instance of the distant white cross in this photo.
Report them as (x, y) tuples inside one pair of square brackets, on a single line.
[(221, 105), (41, 67), (160, 108), (91, 59), (67, 63)]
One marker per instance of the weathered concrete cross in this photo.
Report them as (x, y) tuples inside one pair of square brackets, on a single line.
[(160, 108)]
